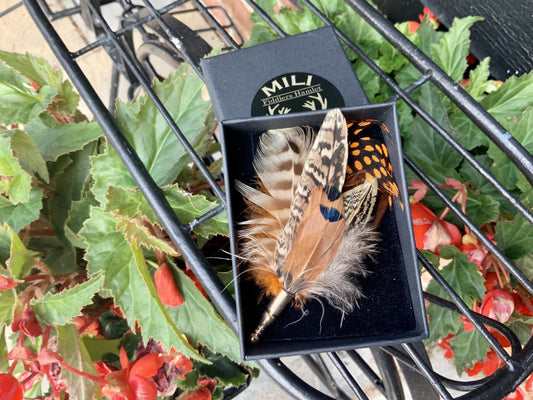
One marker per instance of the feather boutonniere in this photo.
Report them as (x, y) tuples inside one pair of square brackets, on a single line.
[(312, 215)]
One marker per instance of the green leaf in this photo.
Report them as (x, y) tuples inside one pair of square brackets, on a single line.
[(39, 71), (468, 348), (390, 58), (293, 21), (60, 308), (521, 127), (462, 274), (131, 285), (130, 203), (113, 326), (221, 368), (428, 36), (15, 182), (20, 215), (453, 47), (482, 209), (478, 84), (55, 139), (522, 330), (427, 148), (8, 303), (152, 139), (28, 153), (148, 132), (74, 353), (466, 132), (369, 80), (525, 264), (4, 362), (20, 103), (108, 170), (139, 234), (97, 347), (512, 98), (197, 318), (21, 260), (442, 322), (69, 186), (58, 255), (189, 206), (406, 75), (514, 237), (77, 215), (465, 279)]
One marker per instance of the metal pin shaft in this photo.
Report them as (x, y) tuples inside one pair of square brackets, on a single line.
[(274, 310)]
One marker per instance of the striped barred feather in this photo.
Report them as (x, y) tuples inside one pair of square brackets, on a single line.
[(279, 162), (309, 227)]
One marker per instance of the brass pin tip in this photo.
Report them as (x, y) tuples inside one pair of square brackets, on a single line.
[(274, 309)]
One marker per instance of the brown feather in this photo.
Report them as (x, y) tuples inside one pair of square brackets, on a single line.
[(316, 243)]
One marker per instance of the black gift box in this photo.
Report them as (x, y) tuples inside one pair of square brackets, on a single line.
[(280, 84), (393, 310), (298, 73)]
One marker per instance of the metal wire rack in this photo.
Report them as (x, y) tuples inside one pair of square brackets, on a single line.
[(412, 359)]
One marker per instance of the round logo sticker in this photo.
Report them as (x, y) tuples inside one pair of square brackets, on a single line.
[(297, 91)]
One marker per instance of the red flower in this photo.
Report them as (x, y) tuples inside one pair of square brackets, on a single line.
[(201, 393), (432, 232), (445, 345), (471, 59), (7, 283), (207, 382), (491, 363), (166, 286), (516, 395), (467, 325), (197, 283), (431, 17), (10, 388), (420, 190), (498, 304), (491, 281), (26, 322), (132, 381), (87, 325), (183, 364), (529, 384), (34, 85), (520, 305), (413, 26), (474, 249)]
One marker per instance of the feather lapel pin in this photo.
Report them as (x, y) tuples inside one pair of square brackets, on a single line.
[(312, 215)]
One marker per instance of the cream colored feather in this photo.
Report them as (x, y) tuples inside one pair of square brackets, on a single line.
[(297, 242)]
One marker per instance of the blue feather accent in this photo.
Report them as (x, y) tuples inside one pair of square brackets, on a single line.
[(330, 214)]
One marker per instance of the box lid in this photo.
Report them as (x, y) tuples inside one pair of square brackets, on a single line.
[(304, 72)]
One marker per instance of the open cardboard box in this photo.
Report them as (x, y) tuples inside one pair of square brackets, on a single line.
[(393, 310)]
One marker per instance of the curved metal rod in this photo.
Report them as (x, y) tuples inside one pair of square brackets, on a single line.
[(516, 346), (486, 122), (403, 94), (517, 273)]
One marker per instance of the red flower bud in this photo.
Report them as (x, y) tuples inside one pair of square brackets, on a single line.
[(166, 287), (202, 393), (10, 388), (7, 283)]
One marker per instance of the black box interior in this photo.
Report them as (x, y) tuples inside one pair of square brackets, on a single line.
[(393, 310)]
